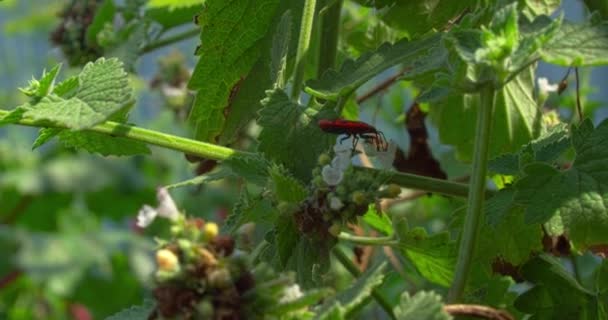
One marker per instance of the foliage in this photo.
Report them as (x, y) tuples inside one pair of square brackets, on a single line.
[(302, 223)]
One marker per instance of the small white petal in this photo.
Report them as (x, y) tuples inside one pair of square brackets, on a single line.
[(291, 293), (545, 87), (166, 205), (145, 216), (332, 176), (342, 147), (387, 157), (335, 203), (341, 161)]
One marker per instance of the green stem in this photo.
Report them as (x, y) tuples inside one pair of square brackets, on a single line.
[(352, 269), (308, 17), (330, 28), (368, 241), (197, 148), (413, 181), (476, 197), (169, 40)]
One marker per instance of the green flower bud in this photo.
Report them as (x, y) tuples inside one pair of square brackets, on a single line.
[(359, 198), (335, 228), (220, 278), (393, 190), (324, 159)]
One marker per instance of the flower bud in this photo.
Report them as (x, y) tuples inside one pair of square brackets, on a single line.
[(393, 190), (324, 159), (219, 278), (335, 228), (358, 197), (167, 260), (210, 230)]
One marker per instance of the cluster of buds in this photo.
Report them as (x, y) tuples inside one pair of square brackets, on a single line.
[(200, 274), (171, 81), (71, 34), (341, 193)]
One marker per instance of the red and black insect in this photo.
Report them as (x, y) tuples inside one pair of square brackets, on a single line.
[(357, 130)]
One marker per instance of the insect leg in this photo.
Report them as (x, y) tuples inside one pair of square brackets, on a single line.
[(345, 138)]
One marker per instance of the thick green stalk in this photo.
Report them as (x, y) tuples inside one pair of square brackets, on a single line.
[(197, 148), (368, 241), (330, 29), (412, 181), (354, 271), (308, 17), (473, 218), (169, 40)]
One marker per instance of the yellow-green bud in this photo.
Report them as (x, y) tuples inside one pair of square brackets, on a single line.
[(204, 310), (335, 228), (219, 278), (324, 159), (167, 260), (393, 190), (358, 197), (210, 230)]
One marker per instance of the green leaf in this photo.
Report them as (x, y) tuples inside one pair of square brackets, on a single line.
[(577, 194), (67, 88), (310, 259), (287, 237), (171, 13), (543, 7), (227, 59), (422, 16), (424, 305), (250, 208), (290, 132), (516, 118), (102, 144), (499, 206), (280, 50), (578, 44), (285, 187), (378, 220), (246, 101), (135, 313), (355, 296), (556, 294), (44, 135), (433, 256), (546, 148), (103, 91), (13, 116), (512, 239), (420, 57), (253, 169)]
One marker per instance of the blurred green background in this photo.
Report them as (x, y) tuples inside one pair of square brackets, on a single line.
[(71, 250)]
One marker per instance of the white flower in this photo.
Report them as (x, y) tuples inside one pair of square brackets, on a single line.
[(341, 148), (332, 175), (341, 161), (291, 293), (166, 205), (145, 216), (545, 87), (335, 203), (387, 157), (166, 209)]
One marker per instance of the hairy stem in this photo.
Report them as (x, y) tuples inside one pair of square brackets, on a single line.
[(215, 152), (354, 271), (115, 129), (308, 17), (169, 40), (476, 196), (368, 241), (330, 28), (412, 181)]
